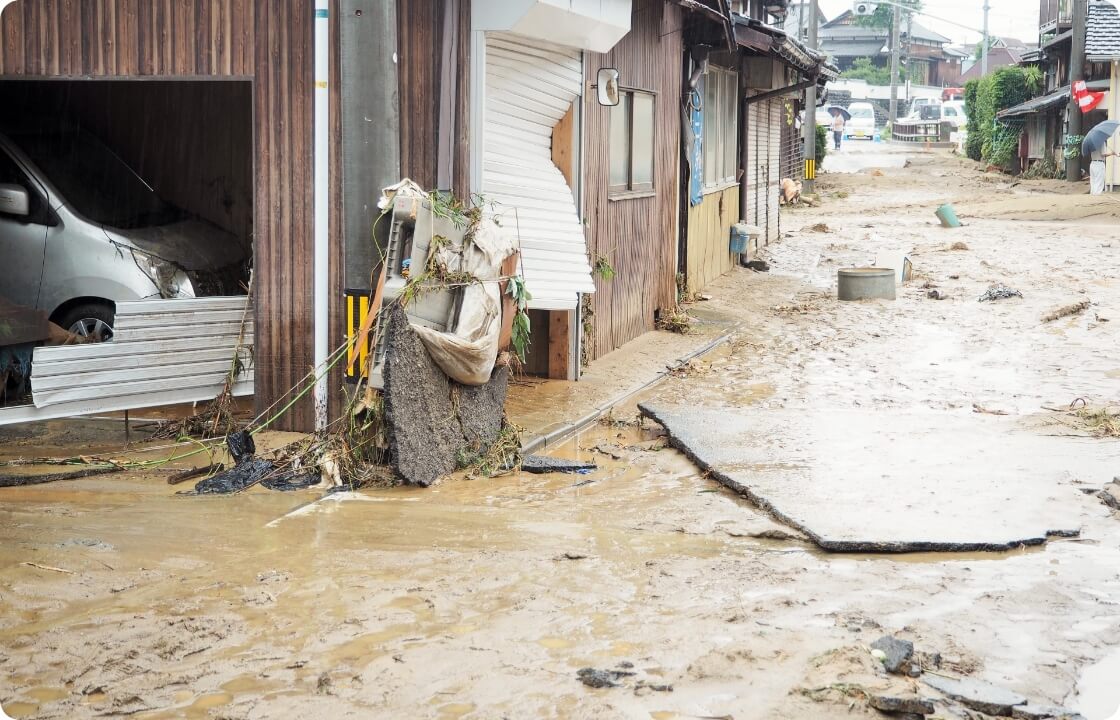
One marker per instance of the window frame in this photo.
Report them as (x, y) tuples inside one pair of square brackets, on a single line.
[(716, 133), (631, 189)]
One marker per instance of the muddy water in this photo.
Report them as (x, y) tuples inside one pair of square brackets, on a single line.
[(482, 598)]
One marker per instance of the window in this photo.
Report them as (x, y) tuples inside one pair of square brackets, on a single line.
[(631, 142), (721, 126)]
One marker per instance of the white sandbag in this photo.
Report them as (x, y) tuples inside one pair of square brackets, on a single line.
[(468, 352)]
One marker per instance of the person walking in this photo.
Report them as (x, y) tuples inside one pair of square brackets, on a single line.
[(837, 128)]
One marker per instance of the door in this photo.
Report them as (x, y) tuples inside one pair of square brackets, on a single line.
[(22, 238)]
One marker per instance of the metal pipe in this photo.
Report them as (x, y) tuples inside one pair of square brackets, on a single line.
[(986, 41), (896, 27), (321, 215), (809, 126)]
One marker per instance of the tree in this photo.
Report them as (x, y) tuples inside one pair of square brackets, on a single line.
[(864, 69), (883, 14)]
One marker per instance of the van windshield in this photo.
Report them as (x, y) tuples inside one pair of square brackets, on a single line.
[(863, 113), (94, 181)]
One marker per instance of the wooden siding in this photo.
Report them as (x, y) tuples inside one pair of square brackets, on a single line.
[(419, 75), (103, 38), (269, 41), (709, 237), (638, 235)]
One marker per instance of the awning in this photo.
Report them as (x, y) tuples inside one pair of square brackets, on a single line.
[(757, 35), (1037, 105)]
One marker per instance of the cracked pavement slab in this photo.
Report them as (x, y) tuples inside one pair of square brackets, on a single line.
[(862, 481)]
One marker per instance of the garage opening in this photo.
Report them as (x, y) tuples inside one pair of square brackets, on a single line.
[(119, 191)]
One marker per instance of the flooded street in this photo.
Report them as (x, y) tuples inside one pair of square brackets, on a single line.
[(482, 598)]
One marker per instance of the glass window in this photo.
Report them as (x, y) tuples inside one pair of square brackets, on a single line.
[(631, 139), (721, 126), (642, 176), (620, 142)]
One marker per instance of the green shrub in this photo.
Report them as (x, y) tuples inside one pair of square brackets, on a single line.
[(989, 139), (822, 145)]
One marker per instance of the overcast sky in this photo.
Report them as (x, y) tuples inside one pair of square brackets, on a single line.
[(1014, 18)]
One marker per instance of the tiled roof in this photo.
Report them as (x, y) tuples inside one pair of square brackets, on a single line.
[(1102, 42), (1037, 105)]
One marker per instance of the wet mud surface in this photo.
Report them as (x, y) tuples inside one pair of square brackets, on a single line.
[(486, 598)]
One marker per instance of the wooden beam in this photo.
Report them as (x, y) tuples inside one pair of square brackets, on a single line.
[(559, 344)]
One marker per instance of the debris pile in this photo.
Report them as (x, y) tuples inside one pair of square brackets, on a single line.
[(999, 292)]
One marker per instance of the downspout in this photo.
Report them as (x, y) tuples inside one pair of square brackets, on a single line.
[(744, 137), (321, 215)]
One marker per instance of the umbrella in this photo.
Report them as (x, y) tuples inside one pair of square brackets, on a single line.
[(1099, 136), (837, 110)]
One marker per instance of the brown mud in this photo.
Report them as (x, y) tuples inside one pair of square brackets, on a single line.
[(483, 598)]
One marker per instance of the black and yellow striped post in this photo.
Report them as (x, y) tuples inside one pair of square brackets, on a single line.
[(810, 168), (357, 309)]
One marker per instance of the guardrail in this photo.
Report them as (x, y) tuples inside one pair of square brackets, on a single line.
[(921, 131)]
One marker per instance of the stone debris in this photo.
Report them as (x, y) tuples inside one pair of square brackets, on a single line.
[(936, 294), (999, 292), (591, 677), (1043, 712), (910, 704), (976, 695), (540, 464), (1110, 495), (897, 653)]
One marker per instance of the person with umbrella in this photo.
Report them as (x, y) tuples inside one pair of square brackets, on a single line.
[(1094, 145), (840, 117)]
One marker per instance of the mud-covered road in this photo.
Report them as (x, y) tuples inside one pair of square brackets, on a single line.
[(483, 598)]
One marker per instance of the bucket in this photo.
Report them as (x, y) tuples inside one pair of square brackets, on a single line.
[(865, 284), (948, 216), (740, 238)]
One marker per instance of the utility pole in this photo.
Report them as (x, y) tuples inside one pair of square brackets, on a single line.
[(987, 41), (896, 42), (1076, 72), (809, 126)]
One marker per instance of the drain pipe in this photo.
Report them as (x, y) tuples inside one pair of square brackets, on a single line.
[(321, 210)]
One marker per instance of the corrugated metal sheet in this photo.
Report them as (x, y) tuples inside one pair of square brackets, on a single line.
[(530, 85), (773, 167), (163, 352)]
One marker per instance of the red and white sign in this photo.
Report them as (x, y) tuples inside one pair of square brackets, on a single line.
[(1086, 100)]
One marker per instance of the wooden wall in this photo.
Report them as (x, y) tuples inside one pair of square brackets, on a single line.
[(709, 237), (637, 235), (420, 57), (269, 41)]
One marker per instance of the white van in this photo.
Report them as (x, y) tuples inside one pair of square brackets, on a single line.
[(862, 124)]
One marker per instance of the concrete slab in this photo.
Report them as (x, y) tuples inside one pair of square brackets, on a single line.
[(859, 481)]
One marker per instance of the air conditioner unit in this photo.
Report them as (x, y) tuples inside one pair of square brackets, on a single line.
[(865, 8)]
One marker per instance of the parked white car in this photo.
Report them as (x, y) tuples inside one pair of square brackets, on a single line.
[(862, 124)]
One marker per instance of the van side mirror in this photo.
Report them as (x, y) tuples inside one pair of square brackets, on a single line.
[(14, 200), (607, 87)]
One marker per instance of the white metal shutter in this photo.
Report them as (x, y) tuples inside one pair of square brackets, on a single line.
[(774, 183), (163, 352), (530, 85)]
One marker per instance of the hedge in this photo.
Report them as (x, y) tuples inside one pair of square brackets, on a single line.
[(991, 140)]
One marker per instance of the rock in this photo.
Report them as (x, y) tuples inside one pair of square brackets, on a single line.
[(898, 653), (540, 464), (1043, 712), (1110, 496), (601, 678), (936, 294), (976, 695), (901, 704), (429, 425), (757, 265)]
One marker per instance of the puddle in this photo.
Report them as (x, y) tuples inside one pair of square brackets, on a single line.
[(1098, 689)]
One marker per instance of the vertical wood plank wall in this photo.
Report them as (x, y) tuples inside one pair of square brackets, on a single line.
[(638, 235), (269, 41), (419, 59), (709, 237)]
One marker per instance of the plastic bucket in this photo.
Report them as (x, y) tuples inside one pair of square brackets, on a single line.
[(740, 240), (948, 216)]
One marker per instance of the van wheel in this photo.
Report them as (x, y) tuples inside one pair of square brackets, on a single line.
[(89, 320)]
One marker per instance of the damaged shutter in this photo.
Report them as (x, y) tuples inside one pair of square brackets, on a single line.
[(163, 352), (774, 169), (530, 86)]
